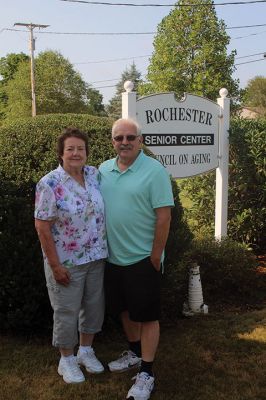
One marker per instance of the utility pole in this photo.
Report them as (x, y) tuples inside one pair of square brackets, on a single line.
[(32, 48)]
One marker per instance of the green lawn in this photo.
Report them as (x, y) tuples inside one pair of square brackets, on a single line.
[(220, 356)]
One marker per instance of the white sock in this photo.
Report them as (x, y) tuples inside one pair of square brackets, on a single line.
[(84, 349), (67, 357)]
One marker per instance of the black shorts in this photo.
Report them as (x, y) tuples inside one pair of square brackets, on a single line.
[(134, 288)]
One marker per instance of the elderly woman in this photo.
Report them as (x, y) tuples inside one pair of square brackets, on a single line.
[(69, 219)]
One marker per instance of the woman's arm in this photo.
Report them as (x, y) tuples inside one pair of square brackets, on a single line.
[(43, 228)]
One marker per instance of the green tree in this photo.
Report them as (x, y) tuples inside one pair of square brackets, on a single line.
[(58, 87), (190, 53), (114, 108), (255, 94), (8, 67), (95, 106)]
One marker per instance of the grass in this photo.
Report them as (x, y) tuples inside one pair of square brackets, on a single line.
[(220, 356)]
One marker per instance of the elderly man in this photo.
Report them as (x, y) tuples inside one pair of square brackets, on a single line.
[(138, 199)]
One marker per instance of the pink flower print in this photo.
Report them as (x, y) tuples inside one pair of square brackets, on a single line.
[(37, 197), (59, 192), (71, 246), (91, 241), (70, 230)]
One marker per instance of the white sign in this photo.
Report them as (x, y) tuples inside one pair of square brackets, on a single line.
[(183, 135)]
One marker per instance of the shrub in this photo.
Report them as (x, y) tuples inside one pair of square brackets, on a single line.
[(229, 277), (179, 235), (27, 152), (23, 301), (247, 187), (228, 271), (27, 147)]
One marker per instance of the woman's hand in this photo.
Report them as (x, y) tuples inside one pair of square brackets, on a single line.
[(61, 275)]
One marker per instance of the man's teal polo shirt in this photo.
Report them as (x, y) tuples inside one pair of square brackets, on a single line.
[(130, 198)]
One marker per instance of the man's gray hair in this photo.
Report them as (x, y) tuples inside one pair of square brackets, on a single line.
[(130, 121)]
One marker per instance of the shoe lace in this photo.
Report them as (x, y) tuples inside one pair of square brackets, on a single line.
[(90, 352), (73, 366), (125, 356), (141, 380)]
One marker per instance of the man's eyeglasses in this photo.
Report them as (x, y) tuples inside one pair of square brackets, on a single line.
[(129, 138)]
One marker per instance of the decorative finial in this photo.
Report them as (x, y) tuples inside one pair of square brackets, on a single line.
[(128, 86), (223, 92)]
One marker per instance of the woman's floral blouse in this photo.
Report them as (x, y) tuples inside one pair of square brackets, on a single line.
[(78, 214)]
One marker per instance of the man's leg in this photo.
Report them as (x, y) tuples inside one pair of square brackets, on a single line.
[(132, 329), (150, 333), (144, 384), (129, 358)]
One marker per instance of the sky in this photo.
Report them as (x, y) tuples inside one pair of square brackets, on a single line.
[(101, 59)]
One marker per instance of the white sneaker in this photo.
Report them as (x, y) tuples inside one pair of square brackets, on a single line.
[(69, 369), (89, 360), (142, 388), (126, 361)]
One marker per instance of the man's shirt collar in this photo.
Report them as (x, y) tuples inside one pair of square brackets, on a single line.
[(133, 167)]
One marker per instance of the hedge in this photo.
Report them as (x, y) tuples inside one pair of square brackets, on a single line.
[(27, 146), (27, 152)]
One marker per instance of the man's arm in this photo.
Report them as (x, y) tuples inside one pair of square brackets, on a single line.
[(60, 273), (163, 219)]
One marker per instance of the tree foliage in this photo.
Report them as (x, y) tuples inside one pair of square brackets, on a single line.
[(255, 94), (8, 67), (114, 108), (190, 53), (58, 87), (95, 102), (247, 187)]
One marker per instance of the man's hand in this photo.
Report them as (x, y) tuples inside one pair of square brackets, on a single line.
[(61, 275), (156, 262)]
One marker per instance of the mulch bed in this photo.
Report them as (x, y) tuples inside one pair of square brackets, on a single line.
[(262, 264)]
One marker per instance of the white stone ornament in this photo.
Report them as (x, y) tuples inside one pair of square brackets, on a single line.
[(195, 297), (223, 92), (128, 86)]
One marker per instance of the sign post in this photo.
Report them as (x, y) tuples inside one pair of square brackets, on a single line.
[(221, 200), (189, 137)]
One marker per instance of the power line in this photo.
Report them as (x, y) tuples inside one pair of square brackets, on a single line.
[(148, 55), (103, 3), (110, 86), (244, 26), (250, 55), (123, 33), (86, 33), (248, 62), (111, 60), (106, 80), (251, 34), (132, 33), (102, 87)]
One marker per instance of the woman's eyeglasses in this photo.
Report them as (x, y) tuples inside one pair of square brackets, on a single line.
[(129, 138)]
